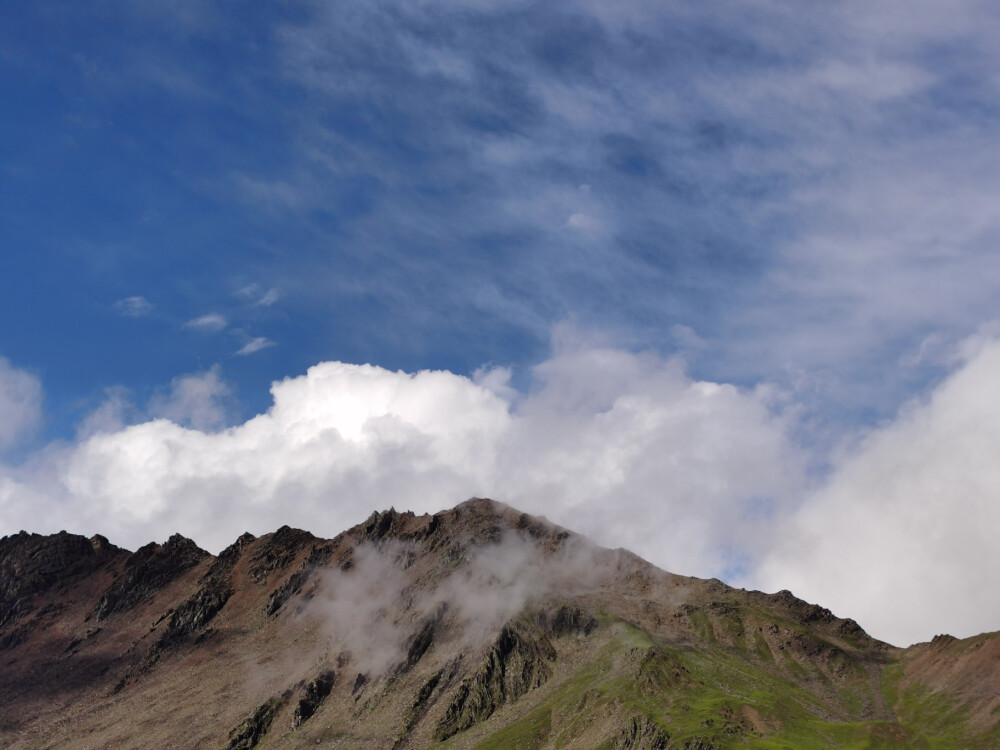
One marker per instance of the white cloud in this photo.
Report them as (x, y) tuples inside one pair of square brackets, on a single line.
[(111, 415), (903, 535), (254, 345), (211, 322), (134, 307), (687, 338), (621, 446), (582, 223), (20, 404), (269, 298), (193, 401), (249, 290), (272, 195), (497, 380), (258, 297), (701, 478)]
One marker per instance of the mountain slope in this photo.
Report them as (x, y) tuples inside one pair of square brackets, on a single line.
[(475, 627)]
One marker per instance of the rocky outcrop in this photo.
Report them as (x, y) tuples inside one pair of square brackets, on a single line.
[(658, 673), (277, 551), (195, 613), (380, 525), (31, 564), (516, 664), (420, 702), (316, 692), (251, 730), (319, 556), (148, 570), (190, 618), (821, 618), (422, 639), (35, 568), (216, 588), (642, 733), (566, 620)]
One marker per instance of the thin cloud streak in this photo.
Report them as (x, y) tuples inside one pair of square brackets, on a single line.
[(210, 323), (255, 345), (134, 307), (804, 200)]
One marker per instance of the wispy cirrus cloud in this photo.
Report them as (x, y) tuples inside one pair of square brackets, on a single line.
[(134, 307), (259, 296), (463, 177), (268, 298), (255, 345), (801, 191), (209, 323)]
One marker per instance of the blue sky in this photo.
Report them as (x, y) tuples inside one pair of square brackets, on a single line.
[(797, 208)]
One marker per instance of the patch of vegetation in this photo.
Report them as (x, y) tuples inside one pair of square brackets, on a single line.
[(721, 698), (700, 623), (528, 733), (761, 648), (935, 719)]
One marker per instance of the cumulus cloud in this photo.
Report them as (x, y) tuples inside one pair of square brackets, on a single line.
[(134, 307), (701, 478), (114, 412), (20, 404), (254, 345), (195, 401), (625, 447), (211, 323), (903, 535)]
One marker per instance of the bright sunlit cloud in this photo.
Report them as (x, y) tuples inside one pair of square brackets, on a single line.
[(701, 478)]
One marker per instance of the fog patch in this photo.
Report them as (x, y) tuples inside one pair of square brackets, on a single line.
[(499, 580), (371, 608), (357, 606)]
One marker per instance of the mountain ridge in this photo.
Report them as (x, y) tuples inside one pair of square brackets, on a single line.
[(479, 626)]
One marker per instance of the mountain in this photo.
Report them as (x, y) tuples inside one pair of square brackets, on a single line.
[(476, 627)]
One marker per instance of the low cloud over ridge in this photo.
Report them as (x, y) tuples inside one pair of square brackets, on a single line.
[(701, 478)]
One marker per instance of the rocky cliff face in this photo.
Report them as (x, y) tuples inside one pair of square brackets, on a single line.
[(476, 627)]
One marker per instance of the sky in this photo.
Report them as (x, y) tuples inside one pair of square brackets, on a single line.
[(717, 282)]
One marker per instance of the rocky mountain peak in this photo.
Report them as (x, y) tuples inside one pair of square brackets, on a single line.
[(479, 625)]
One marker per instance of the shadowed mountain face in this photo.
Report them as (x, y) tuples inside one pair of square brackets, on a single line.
[(475, 627)]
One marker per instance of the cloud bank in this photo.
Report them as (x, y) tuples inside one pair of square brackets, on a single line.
[(904, 532), (701, 478)]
